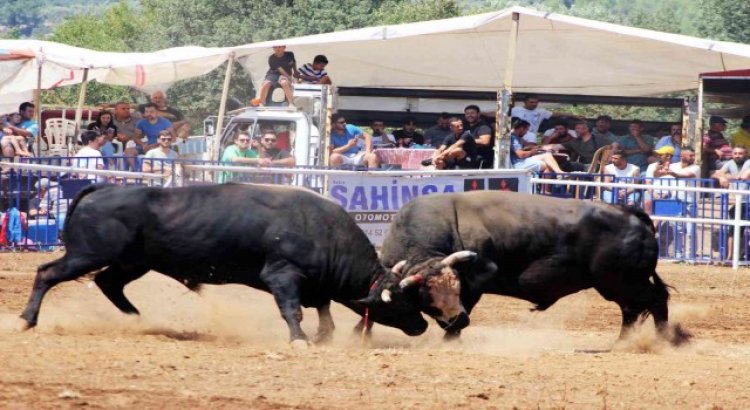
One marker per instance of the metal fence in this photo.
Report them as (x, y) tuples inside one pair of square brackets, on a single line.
[(695, 221)]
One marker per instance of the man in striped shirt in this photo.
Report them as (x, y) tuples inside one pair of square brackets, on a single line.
[(315, 73)]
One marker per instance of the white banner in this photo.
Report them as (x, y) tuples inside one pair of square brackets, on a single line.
[(373, 201)]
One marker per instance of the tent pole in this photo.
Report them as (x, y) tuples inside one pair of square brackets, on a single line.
[(79, 109), (698, 130), (216, 146), (38, 107), (502, 118)]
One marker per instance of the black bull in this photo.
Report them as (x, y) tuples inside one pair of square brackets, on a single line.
[(295, 244), (539, 249)]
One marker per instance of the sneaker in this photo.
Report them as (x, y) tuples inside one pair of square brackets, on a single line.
[(255, 102)]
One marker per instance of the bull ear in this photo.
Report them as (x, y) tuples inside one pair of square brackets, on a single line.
[(397, 267), (456, 257)]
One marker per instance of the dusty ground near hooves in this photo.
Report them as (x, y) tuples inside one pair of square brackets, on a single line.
[(227, 348)]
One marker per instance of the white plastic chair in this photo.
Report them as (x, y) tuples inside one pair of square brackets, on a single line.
[(57, 131)]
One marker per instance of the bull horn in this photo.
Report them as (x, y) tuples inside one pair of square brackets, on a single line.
[(410, 281), (459, 256), (397, 267), (386, 296)]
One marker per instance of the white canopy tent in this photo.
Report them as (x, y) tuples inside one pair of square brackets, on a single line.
[(555, 54)]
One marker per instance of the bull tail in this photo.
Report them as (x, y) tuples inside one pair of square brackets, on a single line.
[(660, 293)]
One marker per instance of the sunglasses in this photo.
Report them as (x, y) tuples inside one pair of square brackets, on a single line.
[(269, 139)]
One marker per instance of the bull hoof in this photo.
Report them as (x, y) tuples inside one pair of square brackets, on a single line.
[(680, 336), (300, 344), (23, 325), (452, 337)]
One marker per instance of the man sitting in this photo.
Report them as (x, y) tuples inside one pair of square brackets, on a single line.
[(89, 156), (154, 162), (742, 136), (26, 128), (673, 140), (12, 145), (583, 148), (602, 126), (459, 150), (529, 157), (381, 138), (436, 134), (314, 73), (175, 116), (349, 145), (408, 135), (238, 153), (270, 156), (559, 133), (738, 168), (151, 126), (281, 69), (620, 168)]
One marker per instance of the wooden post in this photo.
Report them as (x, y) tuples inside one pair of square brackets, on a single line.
[(216, 146), (38, 106), (79, 110), (504, 96)]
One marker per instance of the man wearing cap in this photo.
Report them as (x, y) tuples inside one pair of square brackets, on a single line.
[(742, 137), (717, 150), (674, 140)]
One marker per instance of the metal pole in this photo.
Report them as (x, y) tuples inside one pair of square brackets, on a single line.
[(216, 146), (502, 133), (38, 106), (698, 129), (79, 109), (736, 228)]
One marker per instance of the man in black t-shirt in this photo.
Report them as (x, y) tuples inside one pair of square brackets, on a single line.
[(281, 69), (459, 150), (408, 135), (270, 156), (482, 134)]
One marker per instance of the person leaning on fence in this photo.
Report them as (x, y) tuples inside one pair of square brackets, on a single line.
[(529, 157), (458, 150), (738, 168), (620, 168), (350, 146), (238, 153), (314, 73), (154, 160)]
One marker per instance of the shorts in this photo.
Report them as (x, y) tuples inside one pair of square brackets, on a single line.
[(273, 78), (354, 159), (531, 164)]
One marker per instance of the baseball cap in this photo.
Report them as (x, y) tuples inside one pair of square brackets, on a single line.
[(715, 119), (665, 150)]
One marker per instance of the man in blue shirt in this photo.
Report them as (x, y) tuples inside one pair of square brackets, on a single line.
[(350, 145), (674, 140), (151, 127), (28, 128)]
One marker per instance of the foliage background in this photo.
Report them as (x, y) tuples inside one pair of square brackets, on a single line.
[(145, 25)]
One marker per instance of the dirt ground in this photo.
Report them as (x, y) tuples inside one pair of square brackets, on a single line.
[(227, 348)]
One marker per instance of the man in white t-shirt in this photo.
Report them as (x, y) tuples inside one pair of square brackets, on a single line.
[(533, 114), (737, 168), (154, 160), (620, 169), (655, 173), (89, 156)]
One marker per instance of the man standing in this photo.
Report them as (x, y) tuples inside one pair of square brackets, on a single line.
[(531, 112), (440, 131), (637, 145), (742, 137), (716, 149), (270, 156), (458, 150), (735, 169), (408, 135), (674, 140), (314, 73), (281, 69), (350, 146), (151, 126), (482, 134)]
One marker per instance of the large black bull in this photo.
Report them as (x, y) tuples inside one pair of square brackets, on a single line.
[(295, 244), (534, 248)]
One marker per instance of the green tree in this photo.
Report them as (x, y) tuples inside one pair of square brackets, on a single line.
[(726, 20)]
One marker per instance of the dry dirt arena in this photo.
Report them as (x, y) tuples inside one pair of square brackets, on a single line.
[(227, 348)]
